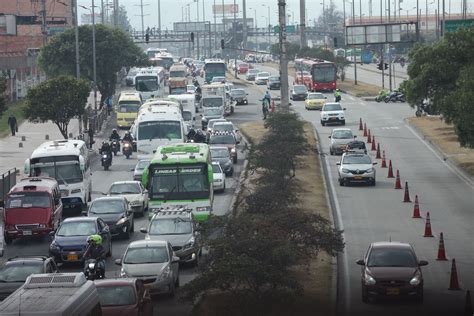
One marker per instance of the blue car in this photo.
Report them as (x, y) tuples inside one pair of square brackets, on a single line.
[(70, 239)]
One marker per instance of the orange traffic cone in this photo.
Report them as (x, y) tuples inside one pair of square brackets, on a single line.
[(416, 208), (390, 170), (468, 304), (369, 139), (378, 152), (441, 251), (360, 125), (373, 144), (428, 232), (406, 197), (453, 282), (398, 185), (384, 162), (365, 130)]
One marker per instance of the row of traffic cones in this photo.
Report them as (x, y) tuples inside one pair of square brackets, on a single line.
[(441, 256)]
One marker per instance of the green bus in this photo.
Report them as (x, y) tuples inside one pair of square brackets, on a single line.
[(214, 68), (180, 175)]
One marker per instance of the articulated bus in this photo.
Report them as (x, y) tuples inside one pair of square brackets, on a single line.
[(323, 73), (180, 175), (214, 68)]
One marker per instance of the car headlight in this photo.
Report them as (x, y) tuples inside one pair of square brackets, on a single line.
[(76, 191), (416, 279), (121, 221), (41, 225), (345, 170), (190, 243), (325, 116), (165, 274), (203, 209), (369, 280), (369, 170), (122, 273), (104, 156), (232, 150)]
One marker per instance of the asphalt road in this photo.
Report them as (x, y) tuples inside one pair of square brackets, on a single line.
[(371, 75), (369, 214)]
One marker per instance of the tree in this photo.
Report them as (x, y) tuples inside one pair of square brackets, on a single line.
[(438, 72), (3, 101), (114, 50), (58, 100), (123, 21)]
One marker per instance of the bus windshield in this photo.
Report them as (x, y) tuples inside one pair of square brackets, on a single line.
[(28, 199), (178, 73), (324, 73), (218, 68), (65, 169), (180, 182), (146, 83), (159, 130), (129, 106)]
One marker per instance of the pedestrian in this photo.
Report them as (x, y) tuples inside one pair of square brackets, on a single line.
[(108, 103), (90, 132), (13, 124)]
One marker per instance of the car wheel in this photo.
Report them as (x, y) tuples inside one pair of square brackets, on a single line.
[(331, 152), (374, 182), (365, 297), (171, 292), (8, 240), (132, 229), (234, 160), (341, 182), (109, 254), (89, 197), (126, 234)]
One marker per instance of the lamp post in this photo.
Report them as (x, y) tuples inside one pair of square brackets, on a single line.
[(255, 27)]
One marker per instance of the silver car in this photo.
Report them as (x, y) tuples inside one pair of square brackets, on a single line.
[(154, 262), (139, 168), (340, 137), (356, 168)]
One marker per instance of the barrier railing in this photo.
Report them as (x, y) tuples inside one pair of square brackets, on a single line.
[(7, 181)]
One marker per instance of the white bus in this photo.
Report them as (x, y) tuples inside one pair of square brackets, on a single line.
[(68, 162), (147, 83), (157, 126), (187, 102)]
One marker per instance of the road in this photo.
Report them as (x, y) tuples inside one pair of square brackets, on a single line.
[(371, 75), (369, 214)]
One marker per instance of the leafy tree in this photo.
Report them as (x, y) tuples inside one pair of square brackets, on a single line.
[(3, 101), (123, 21), (114, 50), (438, 72), (58, 100)]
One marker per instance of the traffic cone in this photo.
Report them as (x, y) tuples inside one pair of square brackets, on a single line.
[(384, 162), (369, 140), (373, 144), (416, 208), (398, 185), (428, 232), (365, 130), (468, 305), (453, 281), (406, 197), (441, 251), (273, 106), (390, 170), (360, 125), (378, 152)]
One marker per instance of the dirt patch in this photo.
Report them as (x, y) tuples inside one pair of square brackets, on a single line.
[(442, 135)]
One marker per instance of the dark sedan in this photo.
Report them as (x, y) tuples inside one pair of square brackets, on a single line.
[(124, 297), (70, 240), (274, 83), (222, 156), (391, 269), (299, 92), (239, 96), (116, 213)]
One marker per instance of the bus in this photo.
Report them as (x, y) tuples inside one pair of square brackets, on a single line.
[(147, 82), (67, 161), (323, 73), (153, 51), (180, 175), (128, 104), (187, 102), (214, 68), (167, 60), (156, 126)]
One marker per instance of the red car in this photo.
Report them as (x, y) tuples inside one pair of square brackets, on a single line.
[(242, 68), (124, 297)]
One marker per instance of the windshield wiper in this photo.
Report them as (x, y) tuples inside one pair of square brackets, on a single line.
[(167, 193), (62, 179)]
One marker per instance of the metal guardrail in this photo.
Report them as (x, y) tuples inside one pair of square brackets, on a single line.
[(7, 181)]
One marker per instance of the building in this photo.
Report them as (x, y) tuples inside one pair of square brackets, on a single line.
[(21, 37)]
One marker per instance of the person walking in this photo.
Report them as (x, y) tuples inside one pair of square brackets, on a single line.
[(90, 132), (13, 124)]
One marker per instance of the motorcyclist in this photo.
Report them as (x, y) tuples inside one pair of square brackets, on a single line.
[(115, 136), (105, 149), (127, 138), (337, 95), (96, 251)]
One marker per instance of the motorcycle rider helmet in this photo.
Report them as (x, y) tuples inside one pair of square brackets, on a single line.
[(114, 131), (97, 239)]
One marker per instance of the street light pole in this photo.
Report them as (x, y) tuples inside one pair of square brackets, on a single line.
[(94, 69), (303, 42), (285, 102), (159, 18)]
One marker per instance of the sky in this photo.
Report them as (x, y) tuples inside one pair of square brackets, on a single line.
[(171, 10)]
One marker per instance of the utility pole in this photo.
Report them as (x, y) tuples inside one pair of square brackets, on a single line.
[(159, 17), (303, 42), (370, 8), (102, 18), (234, 40), (76, 38), (116, 13), (244, 26), (94, 66), (44, 27), (353, 47), (141, 5), (285, 102), (215, 25)]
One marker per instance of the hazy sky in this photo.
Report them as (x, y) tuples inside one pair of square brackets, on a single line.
[(171, 10)]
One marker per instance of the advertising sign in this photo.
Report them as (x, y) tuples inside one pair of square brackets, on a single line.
[(225, 9)]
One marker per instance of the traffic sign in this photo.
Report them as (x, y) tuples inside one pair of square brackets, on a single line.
[(288, 28), (453, 25)]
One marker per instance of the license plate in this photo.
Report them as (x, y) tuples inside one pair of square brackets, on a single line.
[(332, 118), (358, 178), (27, 233), (393, 291), (72, 257)]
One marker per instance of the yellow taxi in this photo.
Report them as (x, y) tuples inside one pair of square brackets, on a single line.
[(315, 101)]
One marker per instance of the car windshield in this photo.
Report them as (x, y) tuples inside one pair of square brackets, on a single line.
[(29, 200), (125, 188), (117, 295), (212, 102), (143, 255), (254, 71), (356, 144), (356, 160), (146, 83), (75, 228), (171, 226), (222, 139), (316, 96), (212, 122), (216, 168), (391, 257), (223, 127), (342, 134), (263, 74), (300, 89), (238, 92), (142, 164), (219, 153), (274, 79), (108, 206), (218, 79), (19, 272), (332, 107)]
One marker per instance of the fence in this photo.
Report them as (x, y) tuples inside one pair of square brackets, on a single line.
[(7, 181)]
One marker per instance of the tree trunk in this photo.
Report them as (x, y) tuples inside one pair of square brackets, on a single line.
[(62, 128)]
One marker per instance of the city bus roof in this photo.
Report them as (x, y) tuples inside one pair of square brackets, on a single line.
[(181, 153), (62, 147)]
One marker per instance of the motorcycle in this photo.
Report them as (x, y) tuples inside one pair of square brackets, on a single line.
[(92, 270), (115, 146), (127, 149), (382, 95), (106, 161), (423, 110), (395, 96)]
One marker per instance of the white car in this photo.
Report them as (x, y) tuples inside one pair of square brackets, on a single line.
[(190, 88), (134, 192), (227, 127), (262, 78), (333, 113), (219, 177), (356, 168), (211, 123)]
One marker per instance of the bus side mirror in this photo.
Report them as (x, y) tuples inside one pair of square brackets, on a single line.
[(27, 167), (82, 164)]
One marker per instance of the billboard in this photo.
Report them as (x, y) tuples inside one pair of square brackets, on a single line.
[(225, 9), (192, 27), (378, 33)]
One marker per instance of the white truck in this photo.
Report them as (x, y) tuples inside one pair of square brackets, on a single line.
[(215, 95)]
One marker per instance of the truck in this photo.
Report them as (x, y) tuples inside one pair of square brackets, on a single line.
[(215, 95), (178, 81)]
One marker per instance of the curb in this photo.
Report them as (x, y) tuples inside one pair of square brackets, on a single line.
[(241, 178)]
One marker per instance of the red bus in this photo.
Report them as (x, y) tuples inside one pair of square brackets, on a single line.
[(323, 73)]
